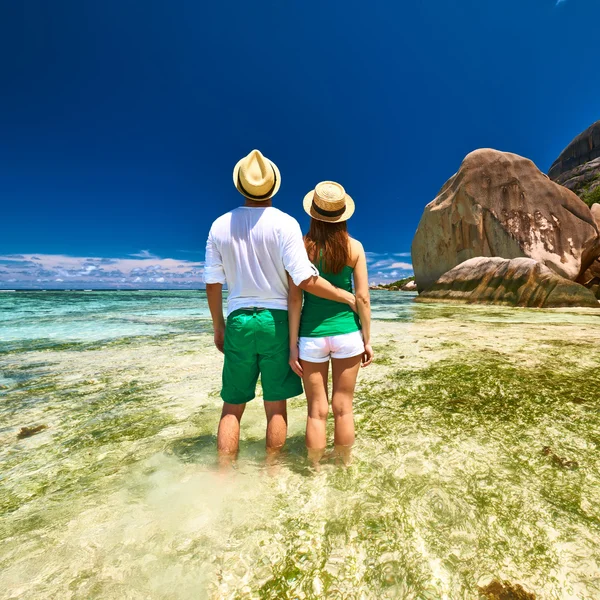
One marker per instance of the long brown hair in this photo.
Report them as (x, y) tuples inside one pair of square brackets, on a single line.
[(329, 242)]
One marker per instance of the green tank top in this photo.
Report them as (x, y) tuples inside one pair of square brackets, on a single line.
[(324, 318)]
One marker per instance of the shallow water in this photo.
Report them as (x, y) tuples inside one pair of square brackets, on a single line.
[(450, 485)]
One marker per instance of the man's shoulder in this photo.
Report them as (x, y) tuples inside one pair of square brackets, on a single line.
[(222, 221), (282, 219)]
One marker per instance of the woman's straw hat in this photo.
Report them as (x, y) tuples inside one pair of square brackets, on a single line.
[(329, 202), (256, 177)]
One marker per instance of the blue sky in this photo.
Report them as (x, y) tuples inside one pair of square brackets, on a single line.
[(120, 121)]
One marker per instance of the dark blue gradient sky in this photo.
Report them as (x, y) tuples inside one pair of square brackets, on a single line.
[(120, 121)]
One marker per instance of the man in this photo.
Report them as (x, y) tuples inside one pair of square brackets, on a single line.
[(253, 248)]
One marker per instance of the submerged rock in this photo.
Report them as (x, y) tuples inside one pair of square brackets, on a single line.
[(516, 282), (26, 432), (500, 204), (559, 461), (497, 590)]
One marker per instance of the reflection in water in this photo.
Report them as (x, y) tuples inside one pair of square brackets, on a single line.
[(475, 466)]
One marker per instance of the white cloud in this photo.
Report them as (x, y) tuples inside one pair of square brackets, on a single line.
[(142, 270), (86, 271), (385, 266), (144, 254)]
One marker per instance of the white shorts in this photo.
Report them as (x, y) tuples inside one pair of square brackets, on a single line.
[(321, 349)]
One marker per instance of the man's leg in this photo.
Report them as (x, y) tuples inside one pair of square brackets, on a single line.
[(240, 373), (276, 425), (228, 437), (278, 380)]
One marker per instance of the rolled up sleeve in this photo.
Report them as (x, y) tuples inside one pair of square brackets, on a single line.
[(213, 263), (294, 255)]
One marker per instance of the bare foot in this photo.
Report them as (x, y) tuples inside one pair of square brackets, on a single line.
[(344, 454), (272, 461), (226, 461), (314, 457)]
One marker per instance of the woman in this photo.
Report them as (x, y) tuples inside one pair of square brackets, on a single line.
[(323, 330)]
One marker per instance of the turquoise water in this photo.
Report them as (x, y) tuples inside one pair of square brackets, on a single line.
[(47, 318), (478, 437), (50, 317)]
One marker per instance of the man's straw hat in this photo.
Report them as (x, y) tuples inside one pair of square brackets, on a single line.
[(329, 202), (256, 177)]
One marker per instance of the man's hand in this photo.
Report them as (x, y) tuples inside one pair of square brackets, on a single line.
[(352, 303), (220, 338), (295, 361), (367, 357)]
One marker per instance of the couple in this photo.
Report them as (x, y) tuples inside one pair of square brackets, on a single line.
[(290, 309)]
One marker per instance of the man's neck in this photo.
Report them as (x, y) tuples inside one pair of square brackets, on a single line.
[(255, 204)]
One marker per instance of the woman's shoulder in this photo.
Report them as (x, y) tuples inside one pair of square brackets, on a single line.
[(356, 250)]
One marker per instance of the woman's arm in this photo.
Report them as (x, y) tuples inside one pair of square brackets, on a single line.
[(363, 300), (294, 312)]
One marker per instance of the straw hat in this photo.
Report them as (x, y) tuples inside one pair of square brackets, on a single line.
[(256, 177), (329, 202)]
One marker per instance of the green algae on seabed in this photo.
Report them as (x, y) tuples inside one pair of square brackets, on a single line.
[(499, 502), (450, 487), (99, 417)]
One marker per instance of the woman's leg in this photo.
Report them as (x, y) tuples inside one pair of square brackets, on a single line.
[(315, 386), (345, 371)]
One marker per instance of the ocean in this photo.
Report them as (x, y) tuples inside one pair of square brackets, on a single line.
[(476, 461)]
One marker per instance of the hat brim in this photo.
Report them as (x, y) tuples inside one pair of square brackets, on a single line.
[(308, 207), (236, 181)]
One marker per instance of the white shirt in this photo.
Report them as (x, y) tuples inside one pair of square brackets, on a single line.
[(251, 249)]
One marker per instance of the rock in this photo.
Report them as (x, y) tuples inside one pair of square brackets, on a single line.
[(497, 590), (395, 286), (578, 166), (513, 282), (559, 461), (500, 204), (595, 210), (411, 286), (26, 432), (591, 278), (584, 148)]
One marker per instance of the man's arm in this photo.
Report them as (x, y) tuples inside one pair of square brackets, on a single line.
[(321, 287), (214, 294), (214, 277), (304, 274)]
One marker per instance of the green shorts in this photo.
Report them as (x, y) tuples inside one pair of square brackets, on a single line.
[(257, 341)]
